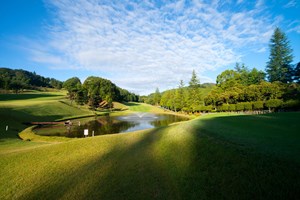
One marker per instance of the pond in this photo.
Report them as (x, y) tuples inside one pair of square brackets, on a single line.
[(108, 125)]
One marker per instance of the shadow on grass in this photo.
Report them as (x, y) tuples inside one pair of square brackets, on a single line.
[(275, 134), (156, 167), (10, 97), (16, 121), (131, 104)]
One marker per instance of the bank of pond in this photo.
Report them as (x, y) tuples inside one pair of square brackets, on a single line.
[(102, 125)]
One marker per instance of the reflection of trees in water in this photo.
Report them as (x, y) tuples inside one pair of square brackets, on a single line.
[(166, 120), (108, 125), (102, 126)]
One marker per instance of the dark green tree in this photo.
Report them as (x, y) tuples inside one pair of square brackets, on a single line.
[(279, 67), (72, 85), (249, 77), (297, 73)]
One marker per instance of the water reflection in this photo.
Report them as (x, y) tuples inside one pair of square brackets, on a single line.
[(108, 125)]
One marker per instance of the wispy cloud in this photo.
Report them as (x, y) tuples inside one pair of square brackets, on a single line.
[(290, 4), (149, 44)]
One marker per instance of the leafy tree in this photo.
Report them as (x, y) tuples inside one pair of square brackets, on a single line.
[(291, 104), (16, 85), (279, 66), (55, 83), (228, 79), (157, 97), (109, 100), (72, 85), (274, 104), (248, 77)]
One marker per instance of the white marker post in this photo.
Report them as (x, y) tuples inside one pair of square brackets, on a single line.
[(86, 132), (93, 134), (6, 128)]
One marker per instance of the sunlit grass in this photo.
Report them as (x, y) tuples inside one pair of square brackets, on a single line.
[(142, 107), (222, 156), (176, 162)]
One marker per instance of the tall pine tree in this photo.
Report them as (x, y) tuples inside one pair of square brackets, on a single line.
[(194, 94), (279, 67)]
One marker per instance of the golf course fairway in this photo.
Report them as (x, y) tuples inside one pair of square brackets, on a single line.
[(216, 156)]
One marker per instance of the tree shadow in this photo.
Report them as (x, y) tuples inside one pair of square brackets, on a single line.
[(122, 179), (131, 104), (159, 166), (11, 97), (16, 121)]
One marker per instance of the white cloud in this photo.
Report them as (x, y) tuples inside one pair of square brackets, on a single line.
[(294, 26), (146, 45), (290, 4)]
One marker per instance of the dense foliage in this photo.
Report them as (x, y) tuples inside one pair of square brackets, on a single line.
[(96, 92), (93, 91), (184, 98), (18, 79)]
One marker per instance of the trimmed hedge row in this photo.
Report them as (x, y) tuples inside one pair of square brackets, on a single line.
[(272, 105)]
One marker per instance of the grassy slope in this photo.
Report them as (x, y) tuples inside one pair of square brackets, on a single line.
[(142, 107), (206, 158), (276, 133), (15, 110)]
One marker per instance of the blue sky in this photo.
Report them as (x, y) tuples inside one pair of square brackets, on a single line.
[(141, 45)]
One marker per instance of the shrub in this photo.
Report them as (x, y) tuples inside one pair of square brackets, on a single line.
[(291, 104), (224, 107), (258, 105), (204, 108), (274, 103), (231, 107), (239, 106), (247, 106)]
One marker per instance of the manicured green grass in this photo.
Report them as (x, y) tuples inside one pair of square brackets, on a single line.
[(205, 158), (277, 133), (142, 107), (219, 156), (18, 109)]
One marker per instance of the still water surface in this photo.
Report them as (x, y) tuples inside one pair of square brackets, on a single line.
[(108, 125)]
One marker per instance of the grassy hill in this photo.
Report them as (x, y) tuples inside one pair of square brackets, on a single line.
[(18, 109), (221, 156)]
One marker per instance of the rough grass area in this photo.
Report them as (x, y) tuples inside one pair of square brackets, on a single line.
[(213, 157)]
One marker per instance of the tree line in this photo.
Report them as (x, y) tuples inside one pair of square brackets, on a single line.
[(96, 92), (18, 80), (93, 91), (241, 89)]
